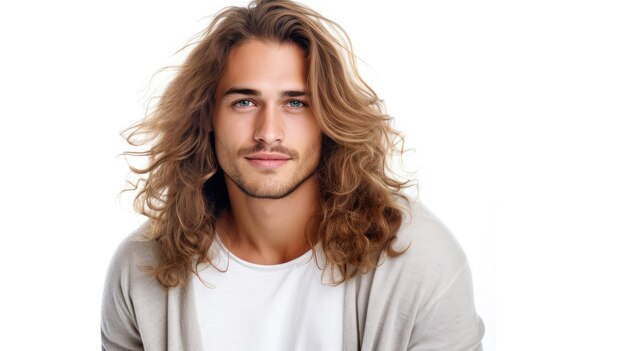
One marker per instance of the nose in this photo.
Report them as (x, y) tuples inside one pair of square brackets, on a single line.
[(269, 126)]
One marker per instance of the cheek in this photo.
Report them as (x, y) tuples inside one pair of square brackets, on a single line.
[(229, 140), (312, 144), (232, 129), (307, 129), (219, 149), (223, 142)]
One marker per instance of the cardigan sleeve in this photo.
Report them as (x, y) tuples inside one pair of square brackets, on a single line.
[(452, 323), (119, 330)]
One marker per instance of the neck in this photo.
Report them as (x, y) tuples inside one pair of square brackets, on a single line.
[(268, 231)]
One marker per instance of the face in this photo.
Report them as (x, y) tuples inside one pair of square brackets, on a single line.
[(267, 140)]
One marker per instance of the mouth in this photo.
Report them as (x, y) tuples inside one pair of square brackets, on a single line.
[(267, 160)]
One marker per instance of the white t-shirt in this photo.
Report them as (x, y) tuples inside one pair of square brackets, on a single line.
[(288, 306)]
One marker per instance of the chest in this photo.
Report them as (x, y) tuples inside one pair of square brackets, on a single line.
[(269, 308)]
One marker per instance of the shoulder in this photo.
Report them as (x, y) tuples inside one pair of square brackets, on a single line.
[(126, 275), (433, 269), (428, 239), (433, 259), (131, 295), (133, 252)]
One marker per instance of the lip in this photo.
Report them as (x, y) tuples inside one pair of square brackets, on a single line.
[(268, 156), (267, 160)]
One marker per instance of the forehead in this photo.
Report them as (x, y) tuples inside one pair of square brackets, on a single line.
[(265, 66)]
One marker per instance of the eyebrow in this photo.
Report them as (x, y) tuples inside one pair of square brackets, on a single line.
[(253, 92)]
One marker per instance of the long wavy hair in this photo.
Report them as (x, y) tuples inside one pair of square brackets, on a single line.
[(182, 189)]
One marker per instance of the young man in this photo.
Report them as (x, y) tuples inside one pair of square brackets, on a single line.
[(272, 222)]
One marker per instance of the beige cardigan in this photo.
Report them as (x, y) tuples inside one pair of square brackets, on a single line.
[(421, 300)]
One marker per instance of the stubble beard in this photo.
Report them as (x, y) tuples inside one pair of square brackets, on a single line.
[(273, 194), (267, 190)]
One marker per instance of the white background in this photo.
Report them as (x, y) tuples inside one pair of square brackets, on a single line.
[(515, 110)]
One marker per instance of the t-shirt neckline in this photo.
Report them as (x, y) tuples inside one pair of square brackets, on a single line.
[(261, 267)]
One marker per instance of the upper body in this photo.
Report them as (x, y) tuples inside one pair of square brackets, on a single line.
[(421, 300), (268, 143)]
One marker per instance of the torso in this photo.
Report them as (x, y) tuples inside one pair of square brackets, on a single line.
[(268, 307)]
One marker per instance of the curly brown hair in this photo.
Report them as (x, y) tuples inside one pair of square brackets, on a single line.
[(184, 190)]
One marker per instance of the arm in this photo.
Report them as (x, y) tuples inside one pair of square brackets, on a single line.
[(118, 326), (452, 323)]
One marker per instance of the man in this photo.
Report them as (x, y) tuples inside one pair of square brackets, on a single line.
[(273, 224)]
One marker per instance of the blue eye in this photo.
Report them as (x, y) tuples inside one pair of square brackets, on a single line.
[(296, 103), (243, 103)]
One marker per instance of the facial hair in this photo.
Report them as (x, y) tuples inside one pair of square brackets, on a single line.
[(289, 186)]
